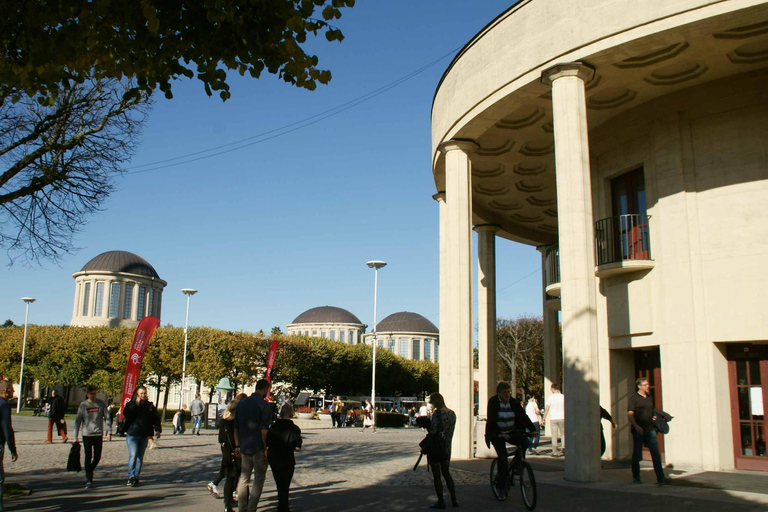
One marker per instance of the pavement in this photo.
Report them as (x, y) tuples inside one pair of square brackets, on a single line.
[(343, 469)]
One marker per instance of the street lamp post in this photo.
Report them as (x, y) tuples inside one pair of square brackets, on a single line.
[(28, 300), (189, 292), (375, 265)]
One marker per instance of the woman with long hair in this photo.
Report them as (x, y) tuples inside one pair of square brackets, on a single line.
[(443, 422)]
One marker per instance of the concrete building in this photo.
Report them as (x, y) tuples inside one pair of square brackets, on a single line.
[(328, 322), (408, 335), (116, 289), (627, 142)]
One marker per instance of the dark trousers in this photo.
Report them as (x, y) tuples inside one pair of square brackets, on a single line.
[(92, 446), (283, 476), (61, 428), (648, 438), (535, 440), (2, 476), (230, 471), (500, 445)]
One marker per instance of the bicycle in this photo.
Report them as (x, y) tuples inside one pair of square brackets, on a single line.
[(517, 467)]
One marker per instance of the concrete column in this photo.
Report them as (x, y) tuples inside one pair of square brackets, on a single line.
[(553, 362), (577, 275), (440, 198), (486, 314), (456, 296)]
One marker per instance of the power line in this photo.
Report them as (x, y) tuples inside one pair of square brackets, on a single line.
[(285, 129)]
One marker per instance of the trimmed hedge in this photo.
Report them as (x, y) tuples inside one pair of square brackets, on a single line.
[(391, 419)]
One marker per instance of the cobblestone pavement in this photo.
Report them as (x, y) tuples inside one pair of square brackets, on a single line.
[(339, 469)]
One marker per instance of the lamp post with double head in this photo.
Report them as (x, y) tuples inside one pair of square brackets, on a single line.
[(28, 300), (375, 265), (189, 292)]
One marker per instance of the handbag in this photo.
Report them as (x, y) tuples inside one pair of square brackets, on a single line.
[(73, 461), (433, 444)]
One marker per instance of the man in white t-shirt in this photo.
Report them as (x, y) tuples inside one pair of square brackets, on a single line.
[(555, 411)]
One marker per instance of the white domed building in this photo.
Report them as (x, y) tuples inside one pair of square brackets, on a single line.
[(408, 335), (117, 289), (328, 322)]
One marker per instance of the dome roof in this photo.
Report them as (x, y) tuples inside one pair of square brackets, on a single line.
[(325, 315), (406, 322), (120, 261)]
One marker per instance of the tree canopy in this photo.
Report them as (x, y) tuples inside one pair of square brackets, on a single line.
[(49, 45)]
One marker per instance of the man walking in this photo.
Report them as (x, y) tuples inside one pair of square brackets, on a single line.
[(56, 415), (141, 423), (641, 417), (197, 408), (91, 416), (555, 410), (6, 432), (252, 421)]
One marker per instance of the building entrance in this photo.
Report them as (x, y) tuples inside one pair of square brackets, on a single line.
[(648, 365), (748, 384)]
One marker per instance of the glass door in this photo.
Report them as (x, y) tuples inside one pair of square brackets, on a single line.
[(748, 376)]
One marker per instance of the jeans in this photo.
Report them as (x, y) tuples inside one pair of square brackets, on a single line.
[(197, 421), (283, 476), (648, 438), (92, 446), (535, 441), (256, 463), (557, 430), (137, 445)]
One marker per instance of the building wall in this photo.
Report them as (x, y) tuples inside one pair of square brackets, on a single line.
[(85, 312), (706, 174), (404, 344), (317, 329)]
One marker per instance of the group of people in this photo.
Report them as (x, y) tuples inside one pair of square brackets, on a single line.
[(196, 409), (249, 440)]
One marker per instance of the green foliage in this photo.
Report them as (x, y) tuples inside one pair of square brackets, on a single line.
[(390, 419), (97, 355), (8, 323), (48, 45)]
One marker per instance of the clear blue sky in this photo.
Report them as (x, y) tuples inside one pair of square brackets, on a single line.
[(271, 230)]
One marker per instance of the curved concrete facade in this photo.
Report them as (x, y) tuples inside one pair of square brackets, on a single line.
[(408, 335), (539, 127), (328, 322)]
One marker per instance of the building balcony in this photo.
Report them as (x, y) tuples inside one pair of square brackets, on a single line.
[(622, 245)]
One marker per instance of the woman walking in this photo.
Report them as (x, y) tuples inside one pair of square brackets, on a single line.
[(368, 412), (443, 422), (230, 465), (283, 439), (533, 412)]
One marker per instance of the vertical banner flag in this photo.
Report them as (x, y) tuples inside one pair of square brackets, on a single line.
[(271, 362), (141, 338)]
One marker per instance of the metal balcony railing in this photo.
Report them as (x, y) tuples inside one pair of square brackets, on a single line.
[(622, 238), (551, 265)]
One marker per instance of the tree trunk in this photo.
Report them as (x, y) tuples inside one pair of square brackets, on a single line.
[(67, 389), (165, 397)]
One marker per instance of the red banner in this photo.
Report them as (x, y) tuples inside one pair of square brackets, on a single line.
[(144, 333), (271, 362)]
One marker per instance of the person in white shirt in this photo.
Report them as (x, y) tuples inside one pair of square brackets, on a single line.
[(534, 414), (555, 411)]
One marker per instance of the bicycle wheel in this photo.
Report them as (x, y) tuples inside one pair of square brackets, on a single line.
[(528, 486), (494, 478)]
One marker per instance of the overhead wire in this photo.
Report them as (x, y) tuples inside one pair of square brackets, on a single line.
[(285, 129)]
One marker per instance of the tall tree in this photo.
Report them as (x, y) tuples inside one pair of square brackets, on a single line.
[(48, 44), (520, 345), (58, 162)]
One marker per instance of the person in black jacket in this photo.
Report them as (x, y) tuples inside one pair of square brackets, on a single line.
[(56, 416), (283, 439), (141, 423), (6, 431), (506, 423)]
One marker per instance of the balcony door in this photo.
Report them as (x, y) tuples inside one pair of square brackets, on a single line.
[(631, 214)]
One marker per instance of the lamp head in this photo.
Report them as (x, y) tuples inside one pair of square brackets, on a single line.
[(28, 300), (188, 291), (377, 264)]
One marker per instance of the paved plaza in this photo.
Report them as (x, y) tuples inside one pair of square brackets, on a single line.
[(339, 469)]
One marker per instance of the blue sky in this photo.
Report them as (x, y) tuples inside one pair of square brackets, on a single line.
[(287, 224)]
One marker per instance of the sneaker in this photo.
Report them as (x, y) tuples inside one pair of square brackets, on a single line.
[(136, 482), (130, 482), (213, 490), (664, 482), (88, 484), (636, 480)]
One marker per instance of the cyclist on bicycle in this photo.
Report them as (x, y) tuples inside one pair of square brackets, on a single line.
[(506, 423)]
